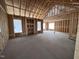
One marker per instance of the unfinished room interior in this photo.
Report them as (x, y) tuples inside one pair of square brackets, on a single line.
[(39, 29)]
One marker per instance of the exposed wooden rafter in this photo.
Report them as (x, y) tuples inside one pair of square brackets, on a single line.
[(35, 8)]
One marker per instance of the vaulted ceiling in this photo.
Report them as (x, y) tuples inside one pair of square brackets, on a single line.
[(34, 8)]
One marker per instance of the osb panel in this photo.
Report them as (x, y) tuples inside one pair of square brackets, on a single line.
[(10, 26)]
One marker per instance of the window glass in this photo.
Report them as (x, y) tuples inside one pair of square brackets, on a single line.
[(17, 26), (38, 26), (43, 25), (51, 25)]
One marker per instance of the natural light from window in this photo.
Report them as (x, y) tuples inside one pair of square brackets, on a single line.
[(51, 25), (17, 26), (38, 26), (43, 25)]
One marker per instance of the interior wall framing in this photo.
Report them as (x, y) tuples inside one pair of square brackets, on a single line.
[(73, 17), (29, 26), (62, 26)]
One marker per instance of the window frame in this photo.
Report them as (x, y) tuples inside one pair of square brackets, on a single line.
[(21, 25), (49, 26)]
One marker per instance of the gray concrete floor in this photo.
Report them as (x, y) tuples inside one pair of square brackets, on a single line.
[(46, 45)]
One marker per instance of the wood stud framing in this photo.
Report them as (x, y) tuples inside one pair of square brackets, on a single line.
[(73, 24), (62, 26), (35, 8)]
